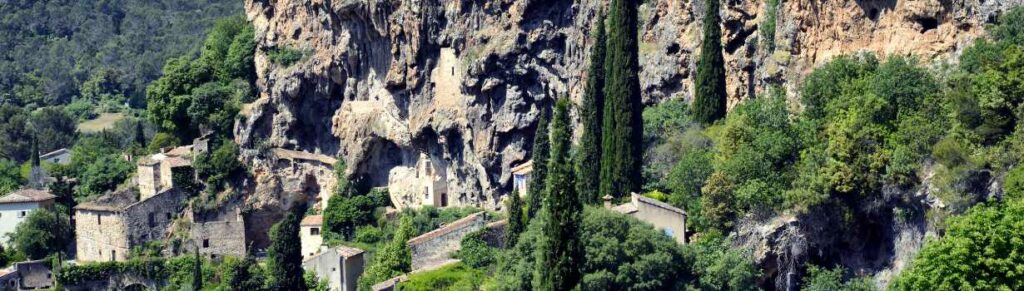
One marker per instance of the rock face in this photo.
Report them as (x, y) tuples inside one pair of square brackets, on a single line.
[(383, 82)]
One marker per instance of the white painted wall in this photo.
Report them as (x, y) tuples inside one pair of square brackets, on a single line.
[(11, 214)]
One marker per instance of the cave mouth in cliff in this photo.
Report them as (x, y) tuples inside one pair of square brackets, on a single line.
[(672, 48), (873, 14), (927, 23)]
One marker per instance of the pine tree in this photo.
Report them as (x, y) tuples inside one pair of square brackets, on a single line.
[(515, 220), (561, 249), (622, 127), (592, 114), (709, 100), (285, 254), (197, 272), (541, 150)]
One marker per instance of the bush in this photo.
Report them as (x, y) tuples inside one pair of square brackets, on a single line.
[(1013, 184), (474, 251), (285, 56), (452, 277)]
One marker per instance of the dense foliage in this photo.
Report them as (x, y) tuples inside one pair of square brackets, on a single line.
[(96, 52), (43, 232), (621, 254), (538, 176), (393, 259), (622, 128), (285, 255)]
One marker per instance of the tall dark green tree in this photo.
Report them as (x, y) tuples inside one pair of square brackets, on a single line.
[(541, 151), (622, 128), (561, 249), (197, 271), (709, 100), (35, 152), (285, 254), (589, 153), (515, 220)]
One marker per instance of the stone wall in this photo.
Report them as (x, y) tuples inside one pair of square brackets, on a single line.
[(435, 247), (494, 233), (220, 237), (100, 236), (150, 219)]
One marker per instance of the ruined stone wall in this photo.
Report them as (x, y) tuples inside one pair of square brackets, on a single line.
[(436, 246), (150, 219), (220, 238), (99, 234)]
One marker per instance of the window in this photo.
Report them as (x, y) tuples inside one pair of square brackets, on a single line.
[(22, 213), (314, 231), (206, 243), (168, 216), (152, 220), (98, 220), (113, 255)]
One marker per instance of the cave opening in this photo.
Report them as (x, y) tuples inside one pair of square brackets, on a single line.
[(672, 48), (928, 23), (873, 14)]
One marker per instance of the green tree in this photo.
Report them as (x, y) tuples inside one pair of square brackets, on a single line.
[(592, 115), (285, 255), (197, 272), (622, 128), (53, 129), (719, 267), (516, 221), (42, 233), (246, 275), (343, 214), (710, 97), (218, 166), (822, 279), (980, 251), (541, 151), (393, 259), (474, 251), (561, 249), (104, 174)]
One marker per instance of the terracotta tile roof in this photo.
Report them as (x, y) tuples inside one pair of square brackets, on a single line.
[(312, 220), (27, 195), (446, 228), (523, 168)]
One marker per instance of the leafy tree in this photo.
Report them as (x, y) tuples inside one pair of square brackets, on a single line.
[(622, 128), (53, 129), (561, 250), (709, 99), (1013, 184), (620, 253), (980, 250), (244, 275), (541, 151), (821, 279), (391, 260), (14, 133), (104, 174), (285, 254), (592, 115), (218, 166), (718, 267), (474, 251), (344, 214), (516, 221), (42, 233)]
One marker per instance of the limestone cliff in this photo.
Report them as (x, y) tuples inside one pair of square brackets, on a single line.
[(388, 85)]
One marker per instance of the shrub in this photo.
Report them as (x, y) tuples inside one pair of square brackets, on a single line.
[(285, 56)]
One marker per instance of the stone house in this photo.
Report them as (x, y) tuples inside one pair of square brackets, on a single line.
[(341, 266), (665, 217), (219, 234), (109, 227), (423, 184), (436, 247), (521, 177), (28, 275), (310, 235), (14, 207)]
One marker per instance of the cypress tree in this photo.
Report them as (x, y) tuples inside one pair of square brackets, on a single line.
[(285, 254), (140, 135), (561, 249), (592, 114), (197, 272), (622, 132), (515, 220), (709, 100), (541, 150), (35, 152)]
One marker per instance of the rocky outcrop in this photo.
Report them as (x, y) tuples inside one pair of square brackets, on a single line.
[(383, 82)]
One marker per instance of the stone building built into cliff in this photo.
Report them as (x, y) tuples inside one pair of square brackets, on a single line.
[(310, 235), (664, 217), (521, 177), (219, 234), (428, 186), (107, 228)]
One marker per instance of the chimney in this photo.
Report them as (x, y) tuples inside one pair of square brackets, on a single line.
[(607, 201)]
